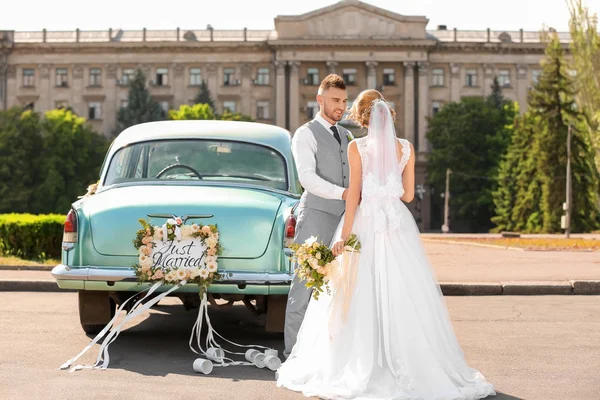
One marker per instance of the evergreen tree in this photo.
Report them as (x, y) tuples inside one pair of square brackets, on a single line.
[(141, 107), (585, 51), (203, 96), (534, 170), (496, 98)]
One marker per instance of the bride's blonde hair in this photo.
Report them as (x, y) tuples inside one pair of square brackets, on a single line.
[(361, 109)]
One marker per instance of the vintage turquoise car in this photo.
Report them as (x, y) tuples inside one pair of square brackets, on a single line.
[(238, 175)]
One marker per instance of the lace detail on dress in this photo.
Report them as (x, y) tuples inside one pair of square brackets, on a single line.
[(381, 202), (405, 153)]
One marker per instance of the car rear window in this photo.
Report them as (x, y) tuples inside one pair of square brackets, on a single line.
[(201, 160)]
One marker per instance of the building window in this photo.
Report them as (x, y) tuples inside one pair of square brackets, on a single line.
[(127, 76), (28, 77), (95, 77), (389, 76), (504, 78), (312, 76), (436, 106), (229, 106), (162, 77), (164, 105), (124, 103), (62, 78), (437, 77), (94, 110), (228, 76), (312, 108), (262, 110), (195, 77), (535, 75), (350, 76), (471, 77), (262, 76)]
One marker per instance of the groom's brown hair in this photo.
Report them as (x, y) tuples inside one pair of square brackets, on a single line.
[(332, 81)]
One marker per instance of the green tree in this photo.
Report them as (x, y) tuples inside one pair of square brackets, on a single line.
[(73, 155), (533, 173), (197, 111), (203, 96), (141, 107), (585, 52), (229, 116), (496, 98), (469, 137), (20, 148)]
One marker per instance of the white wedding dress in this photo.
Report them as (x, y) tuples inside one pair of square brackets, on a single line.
[(397, 340)]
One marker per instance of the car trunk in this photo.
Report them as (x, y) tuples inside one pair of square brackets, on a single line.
[(244, 216)]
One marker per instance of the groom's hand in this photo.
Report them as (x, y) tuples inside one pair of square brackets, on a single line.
[(345, 194)]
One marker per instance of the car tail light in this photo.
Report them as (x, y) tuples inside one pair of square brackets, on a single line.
[(70, 228), (290, 230)]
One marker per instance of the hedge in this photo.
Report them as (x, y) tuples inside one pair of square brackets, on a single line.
[(31, 236)]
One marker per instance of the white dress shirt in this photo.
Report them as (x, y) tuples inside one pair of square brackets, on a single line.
[(304, 148)]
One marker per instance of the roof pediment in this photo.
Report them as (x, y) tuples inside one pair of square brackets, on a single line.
[(350, 19)]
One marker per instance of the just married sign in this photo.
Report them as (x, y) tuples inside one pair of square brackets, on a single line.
[(186, 253)]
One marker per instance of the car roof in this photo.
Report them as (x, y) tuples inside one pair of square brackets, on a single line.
[(266, 134)]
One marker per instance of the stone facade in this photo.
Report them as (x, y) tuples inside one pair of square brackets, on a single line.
[(273, 75)]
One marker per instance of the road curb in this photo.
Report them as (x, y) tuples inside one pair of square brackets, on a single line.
[(506, 288), (26, 267)]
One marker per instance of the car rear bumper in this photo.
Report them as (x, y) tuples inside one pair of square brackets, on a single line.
[(124, 279)]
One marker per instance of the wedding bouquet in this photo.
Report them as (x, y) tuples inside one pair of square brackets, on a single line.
[(315, 262)]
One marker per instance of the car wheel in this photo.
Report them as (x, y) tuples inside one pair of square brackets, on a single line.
[(96, 309)]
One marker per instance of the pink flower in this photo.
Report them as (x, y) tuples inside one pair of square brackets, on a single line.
[(148, 232), (146, 250), (178, 221), (158, 274), (206, 230), (147, 239), (211, 252)]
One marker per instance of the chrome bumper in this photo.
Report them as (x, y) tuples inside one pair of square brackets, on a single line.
[(91, 273)]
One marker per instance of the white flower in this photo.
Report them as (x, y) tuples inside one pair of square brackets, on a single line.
[(210, 259), (211, 242), (186, 231), (158, 234), (310, 240), (170, 277), (194, 273), (313, 262), (171, 221), (181, 274), (204, 273), (146, 263), (211, 266)]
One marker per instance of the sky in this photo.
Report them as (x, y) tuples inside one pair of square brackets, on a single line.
[(259, 14)]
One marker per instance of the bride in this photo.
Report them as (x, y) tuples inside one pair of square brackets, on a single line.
[(384, 332)]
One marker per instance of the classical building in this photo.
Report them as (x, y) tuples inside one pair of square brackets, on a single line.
[(272, 75)]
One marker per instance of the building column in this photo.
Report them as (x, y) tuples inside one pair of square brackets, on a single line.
[(213, 85), (488, 80), (3, 86), (522, 87), (179, 86), (76, 100), (294, 95), (455, 82), (280, 94), (409, 101), (371, 74), (112, 102), (45, 89), (331, 66), (422, 144), (246, 90)]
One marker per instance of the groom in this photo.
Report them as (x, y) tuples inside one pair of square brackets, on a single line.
[(319, 148)]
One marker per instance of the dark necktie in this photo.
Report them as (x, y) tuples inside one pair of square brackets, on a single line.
[(336, 135)]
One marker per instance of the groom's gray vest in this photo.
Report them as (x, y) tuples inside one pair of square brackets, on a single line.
[(332, 165)]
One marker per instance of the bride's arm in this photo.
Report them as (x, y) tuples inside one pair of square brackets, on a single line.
[(353, 191), (408, 178)]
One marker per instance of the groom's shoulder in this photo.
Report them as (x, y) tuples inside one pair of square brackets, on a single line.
[(303, 130)]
